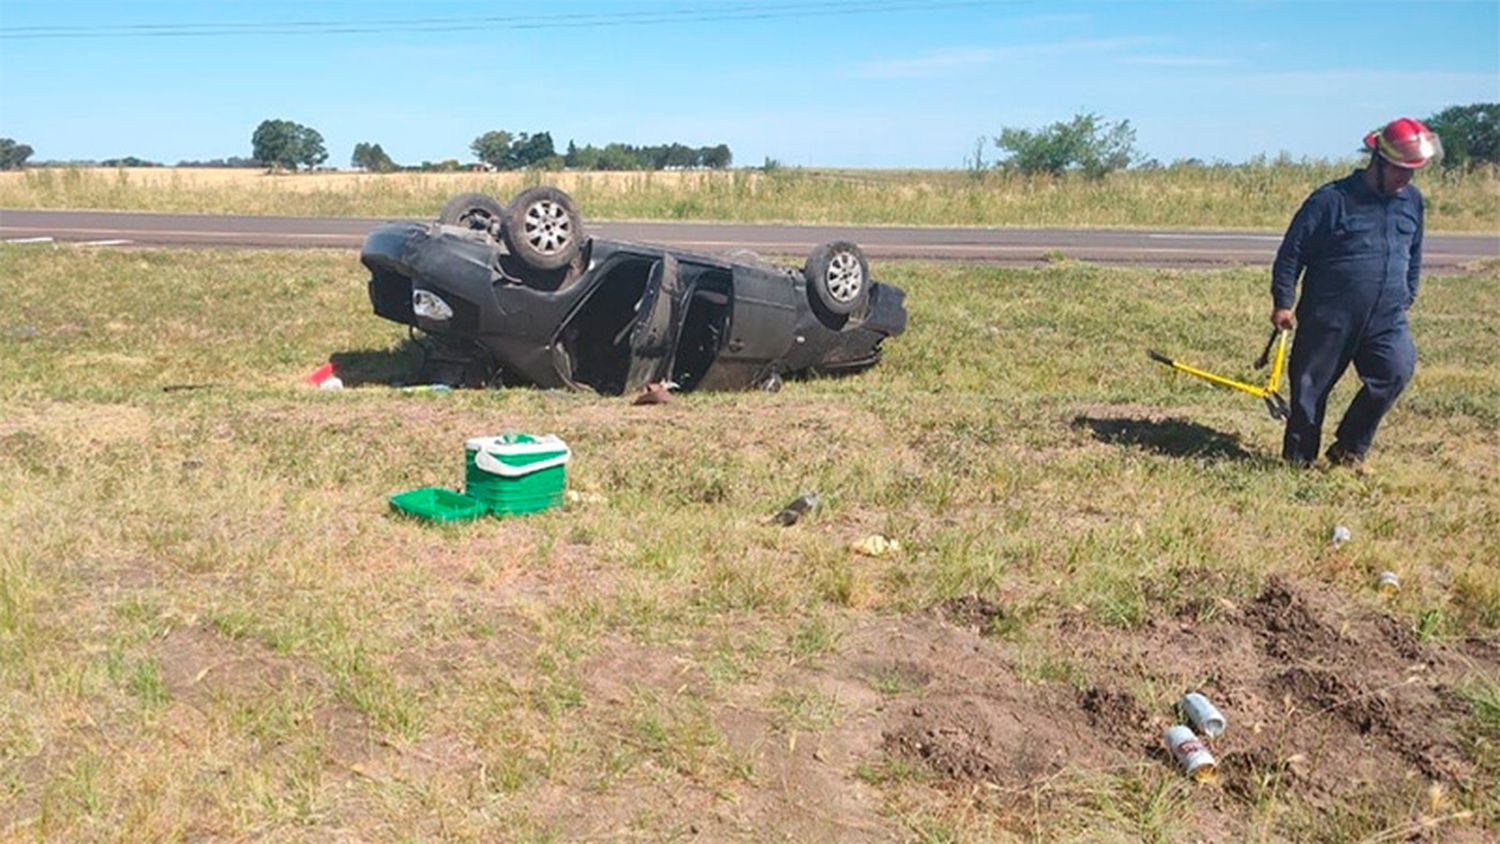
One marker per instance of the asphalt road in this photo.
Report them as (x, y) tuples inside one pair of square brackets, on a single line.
[(997, 245)]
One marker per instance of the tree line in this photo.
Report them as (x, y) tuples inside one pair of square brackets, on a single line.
[(503, 151), (1086, 144), (1090, 145)]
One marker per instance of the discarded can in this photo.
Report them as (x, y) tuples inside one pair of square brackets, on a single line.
[(800, 506), (1190, 753), (1388, 583), (1203, 715), (876, 545), (1341, 535)]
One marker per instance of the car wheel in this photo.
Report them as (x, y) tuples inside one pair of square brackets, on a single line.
[(474, 211), (543, 228), (838, 277)]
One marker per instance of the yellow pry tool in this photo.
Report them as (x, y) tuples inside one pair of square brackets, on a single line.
[(1268, 393)]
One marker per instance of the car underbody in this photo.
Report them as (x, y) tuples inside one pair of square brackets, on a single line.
[(617, 316)]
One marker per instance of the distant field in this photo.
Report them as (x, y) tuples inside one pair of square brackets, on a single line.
[(1249, 196), (211, 628)]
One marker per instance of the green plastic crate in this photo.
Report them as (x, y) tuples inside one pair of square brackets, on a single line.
[(513, 474), (436, 504)]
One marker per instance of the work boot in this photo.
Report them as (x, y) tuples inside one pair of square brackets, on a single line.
[(1339, 456)]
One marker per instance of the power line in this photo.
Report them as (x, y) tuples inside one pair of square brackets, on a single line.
[(581, 20)]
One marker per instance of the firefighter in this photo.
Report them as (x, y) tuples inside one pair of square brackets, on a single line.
[(1359, 241)]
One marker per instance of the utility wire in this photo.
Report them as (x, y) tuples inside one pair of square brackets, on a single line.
[(590, 20)]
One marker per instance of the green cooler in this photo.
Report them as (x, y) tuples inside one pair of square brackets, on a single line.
[(514, 474)]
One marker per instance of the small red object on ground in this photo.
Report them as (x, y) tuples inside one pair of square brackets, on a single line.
[(321, 374)]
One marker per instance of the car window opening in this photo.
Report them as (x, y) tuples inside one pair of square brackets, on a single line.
[(704, 327), (597, 338)]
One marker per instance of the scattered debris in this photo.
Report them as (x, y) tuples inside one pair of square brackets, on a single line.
[(876, 545), (320, 375), (1203, 715), (332, 382), (1190, 753), (1388, 583), (799, 507), (574, 496), (657, 392), (427, 388), (1341, 535), (182, 388)]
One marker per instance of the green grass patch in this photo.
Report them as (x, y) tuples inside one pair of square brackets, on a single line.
[(209, 621)]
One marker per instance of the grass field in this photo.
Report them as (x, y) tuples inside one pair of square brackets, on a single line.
[(1248, 196), (212, 629)]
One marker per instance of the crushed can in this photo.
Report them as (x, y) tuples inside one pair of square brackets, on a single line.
[(799, 507), (1388, 583), (1203, 715), (1190, 753), (1341, 535)]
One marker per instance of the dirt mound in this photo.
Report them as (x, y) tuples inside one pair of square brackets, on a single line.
[(972, 611), (974, 719), (1336, 704), (1370, 685), (979, 739)]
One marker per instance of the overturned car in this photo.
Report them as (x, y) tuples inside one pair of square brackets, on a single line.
[(519, 294)]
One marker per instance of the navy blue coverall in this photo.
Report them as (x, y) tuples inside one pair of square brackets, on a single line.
[(1363, 255)]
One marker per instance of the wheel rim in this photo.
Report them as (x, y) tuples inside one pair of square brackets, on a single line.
[(547, 227), (845, 277), (476, 218)]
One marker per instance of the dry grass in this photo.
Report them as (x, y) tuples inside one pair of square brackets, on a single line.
[(210, 627), (1249, 196)]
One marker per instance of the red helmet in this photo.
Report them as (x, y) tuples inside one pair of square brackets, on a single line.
[(1405, 142)]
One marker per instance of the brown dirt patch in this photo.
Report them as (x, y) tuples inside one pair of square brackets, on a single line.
[(976, 720), (971, 611), (199, 666), (1342, 701), (1336, 706)]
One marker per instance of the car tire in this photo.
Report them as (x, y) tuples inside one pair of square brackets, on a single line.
[(838, 277), (477, 211), (543, 228)]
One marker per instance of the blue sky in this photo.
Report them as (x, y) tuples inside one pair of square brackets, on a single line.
[(888, 83)]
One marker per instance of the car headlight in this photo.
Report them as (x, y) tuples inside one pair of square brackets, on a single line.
[(427, 304)]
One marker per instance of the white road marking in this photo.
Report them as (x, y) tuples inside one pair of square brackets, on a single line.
[(1265, 238), (104, 242), (29, 240), (199, 233)]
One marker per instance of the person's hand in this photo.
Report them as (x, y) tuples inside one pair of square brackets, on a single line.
[(1282, 318)]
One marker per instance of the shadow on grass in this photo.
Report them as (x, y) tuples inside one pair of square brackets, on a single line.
[(392, 366), (1172, 437)]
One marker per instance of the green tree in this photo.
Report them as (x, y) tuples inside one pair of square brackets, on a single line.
[(275, 143), (13, 155), (1470, 134), (310, 150), (715, 157), (284, 143), (372, 158), (680, 156), (617, 157), (1087, 143), (492, 147), (529, 151)]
